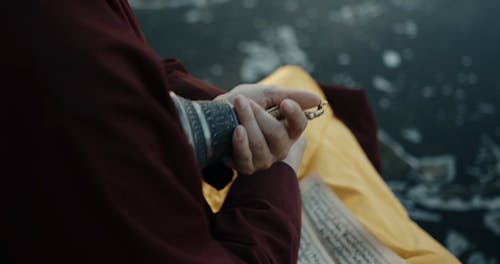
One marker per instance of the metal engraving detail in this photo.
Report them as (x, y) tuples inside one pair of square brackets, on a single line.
[(209, 126)]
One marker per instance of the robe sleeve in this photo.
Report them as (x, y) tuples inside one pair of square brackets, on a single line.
[(186, 85), (98, 169)]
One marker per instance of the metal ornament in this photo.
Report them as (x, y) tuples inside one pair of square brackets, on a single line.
[(310, 114), (208, 126)]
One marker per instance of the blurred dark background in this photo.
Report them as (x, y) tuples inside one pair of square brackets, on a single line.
[(431, 70)]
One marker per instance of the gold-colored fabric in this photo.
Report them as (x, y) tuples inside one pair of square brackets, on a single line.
[(333, 152)]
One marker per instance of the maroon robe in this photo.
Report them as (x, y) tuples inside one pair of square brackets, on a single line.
[(94, 165)]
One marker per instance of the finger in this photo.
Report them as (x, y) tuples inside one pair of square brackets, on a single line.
[(295, 120), (274, 95), (242, 156), (258, 144), (274, 131)]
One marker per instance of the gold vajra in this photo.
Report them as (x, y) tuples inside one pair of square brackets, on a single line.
[(310, 114)]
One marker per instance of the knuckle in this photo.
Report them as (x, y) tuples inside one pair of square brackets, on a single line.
[(267, 164), (258, 163), (247, 170), (251, 171), (270, 159), (271, 90), (245, 160), (262, 162), (264, 165), (283, 154), (267, 90)]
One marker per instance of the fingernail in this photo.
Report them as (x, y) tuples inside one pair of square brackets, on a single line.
[(239, 133), (287, 106), (243, 102)]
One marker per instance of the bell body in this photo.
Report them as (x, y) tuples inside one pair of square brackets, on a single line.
[(209, 127)]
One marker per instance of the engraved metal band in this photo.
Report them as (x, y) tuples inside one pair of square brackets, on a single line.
[(183, 118), (205, 127), (229, 103)]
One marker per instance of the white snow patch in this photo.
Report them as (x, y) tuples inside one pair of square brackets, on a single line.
[(382, 84), (260, 60), (438, 172), (407, 28), (428, 92), (492, 221), (198, 15), (279, 46), (412, 135), (486, 166), (291, 5), (398, 150), (391, 58), (478, 257), (431, 199), (344, 79), (456, 243), (423, 215), (357, 14), (437, 169), (407, 4), (159, 4), (344, 59)]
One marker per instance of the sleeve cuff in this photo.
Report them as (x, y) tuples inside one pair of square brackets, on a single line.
[(277, 185)]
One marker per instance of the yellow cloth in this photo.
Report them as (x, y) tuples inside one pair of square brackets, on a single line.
[(334, 153)]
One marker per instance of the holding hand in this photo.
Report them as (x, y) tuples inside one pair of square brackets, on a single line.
[(261, 140)]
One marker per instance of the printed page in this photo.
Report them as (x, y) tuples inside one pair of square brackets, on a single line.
[(332, 234), (311, 248)]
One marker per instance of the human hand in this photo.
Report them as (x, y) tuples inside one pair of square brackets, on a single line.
[(261, 140)]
